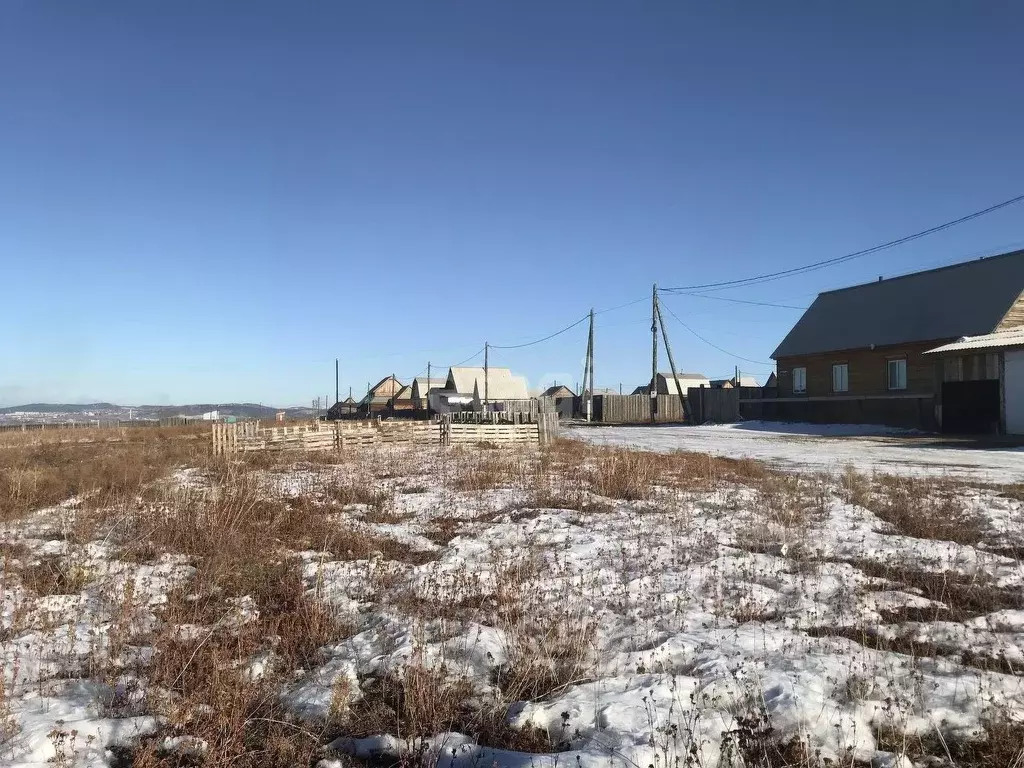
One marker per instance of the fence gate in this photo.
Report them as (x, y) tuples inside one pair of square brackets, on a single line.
[(970, 407)]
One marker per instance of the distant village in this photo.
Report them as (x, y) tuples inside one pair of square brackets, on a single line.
[(499, 390)]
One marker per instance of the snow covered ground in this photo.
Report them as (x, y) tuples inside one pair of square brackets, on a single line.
[(829, 448), (664, 631)]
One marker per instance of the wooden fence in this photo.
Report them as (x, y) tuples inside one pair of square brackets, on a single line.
[(636, 409), (342, 435), (86, 424)]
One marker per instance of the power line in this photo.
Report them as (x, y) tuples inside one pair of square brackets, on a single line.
[(739, 301), (770, 276), (463, 362), (538, 341), (622, 306), (712, 344)]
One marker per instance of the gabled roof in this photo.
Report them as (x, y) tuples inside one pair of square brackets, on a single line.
[(685, 381), (558, 390), (405, 393), (501, 383), (421, 384), (387, 386), (966, 299)]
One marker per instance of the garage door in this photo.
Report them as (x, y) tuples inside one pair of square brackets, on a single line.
[(1014, 388)]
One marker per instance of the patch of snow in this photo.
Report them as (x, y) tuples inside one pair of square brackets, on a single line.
[(825, 451)]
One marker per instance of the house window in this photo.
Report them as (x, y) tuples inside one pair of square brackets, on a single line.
[(840, 377), (799, 379), (897, 373)]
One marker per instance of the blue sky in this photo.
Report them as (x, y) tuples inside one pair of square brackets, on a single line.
[(212, 201)]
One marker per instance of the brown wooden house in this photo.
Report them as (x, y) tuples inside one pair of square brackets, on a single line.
[(378, 399), (857, 354)]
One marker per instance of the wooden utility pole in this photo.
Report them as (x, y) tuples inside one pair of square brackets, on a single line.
[(590, 353), (428, 390), (487, 348), (672, 364), (588, 388), (654, 354)]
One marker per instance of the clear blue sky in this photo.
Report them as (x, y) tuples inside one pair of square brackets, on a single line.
[(210, 201)]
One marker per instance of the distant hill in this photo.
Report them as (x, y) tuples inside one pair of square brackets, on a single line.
[(53, 412), (58, 407)]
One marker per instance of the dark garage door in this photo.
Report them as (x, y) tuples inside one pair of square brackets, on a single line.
[(970, 407)]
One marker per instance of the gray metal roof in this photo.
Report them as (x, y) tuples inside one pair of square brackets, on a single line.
[(1011, 337), (965, 299)]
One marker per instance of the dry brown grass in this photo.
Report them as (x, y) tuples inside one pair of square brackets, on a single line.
[(486, 470), (422, 701), (198, 684), (965, 597), (924, 508), (237, 517), (999, 745), (41, 473)]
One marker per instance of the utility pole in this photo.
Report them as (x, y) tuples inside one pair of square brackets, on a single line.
[(654, 354), (588, 392), (672, 364), (590, 353), (337, 381), (487, 348), (428, 390)]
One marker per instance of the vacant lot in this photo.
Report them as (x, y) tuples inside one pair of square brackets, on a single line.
[(577, 605)]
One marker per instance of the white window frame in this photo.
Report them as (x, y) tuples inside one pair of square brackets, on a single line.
[(800, 382), (844, 379), (900, 385)]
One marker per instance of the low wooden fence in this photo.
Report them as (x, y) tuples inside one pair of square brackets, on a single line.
[(85, 424), (342, 435)]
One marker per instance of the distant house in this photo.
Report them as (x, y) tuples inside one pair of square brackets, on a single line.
[(669, 385), (558, 390), (745, 381), (449, 401), (421, 386), (493, 391), (773, 381), (403, 400), (345, 409), (858, 354), (563, 398), (378, 399)]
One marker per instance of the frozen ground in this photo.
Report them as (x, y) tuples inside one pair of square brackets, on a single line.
[(830, 448), (666, 628)]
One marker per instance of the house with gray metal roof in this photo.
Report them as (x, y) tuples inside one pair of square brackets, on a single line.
[(858, 354), (421, 387)]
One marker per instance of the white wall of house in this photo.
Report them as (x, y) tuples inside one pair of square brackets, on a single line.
[(1013, 389)]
